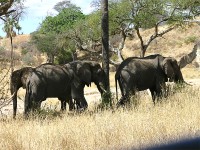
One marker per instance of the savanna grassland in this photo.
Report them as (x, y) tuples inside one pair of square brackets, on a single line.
[(138, 126)]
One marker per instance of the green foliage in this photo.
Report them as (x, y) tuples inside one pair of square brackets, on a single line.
[(28, 59), (119, 14), (2, 49), (55, 35), (63, 57), (24, 51), (44, 42), (62, 34), (106, 100), (190, 39), (63, 4), (62, 22)]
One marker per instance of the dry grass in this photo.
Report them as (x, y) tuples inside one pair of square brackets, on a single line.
[(175, 118)]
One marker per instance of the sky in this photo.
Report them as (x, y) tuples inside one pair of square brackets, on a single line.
[(37, 10)]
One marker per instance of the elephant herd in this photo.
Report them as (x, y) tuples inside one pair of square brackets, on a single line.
[(66, 82)]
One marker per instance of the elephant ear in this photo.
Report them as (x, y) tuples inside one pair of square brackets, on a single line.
[(168, 67), (84, 73)]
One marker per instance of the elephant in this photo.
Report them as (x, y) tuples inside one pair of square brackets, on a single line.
[(64, 82), (151, 72), (18, 80)]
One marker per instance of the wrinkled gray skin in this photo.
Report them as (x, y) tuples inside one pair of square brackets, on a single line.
[(64, 82), (18, 80), (151, 72)]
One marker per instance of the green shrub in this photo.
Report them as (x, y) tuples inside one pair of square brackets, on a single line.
[(24, 51), (28, 59), (190, 39)]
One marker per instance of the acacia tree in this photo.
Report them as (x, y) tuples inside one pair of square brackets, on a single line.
[(130, 16), (154, 13)]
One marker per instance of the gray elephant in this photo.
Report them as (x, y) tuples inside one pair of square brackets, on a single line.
[(151, 72), (18, 80), (64, 82)]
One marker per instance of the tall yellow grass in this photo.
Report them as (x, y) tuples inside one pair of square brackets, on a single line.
[(176, 117)]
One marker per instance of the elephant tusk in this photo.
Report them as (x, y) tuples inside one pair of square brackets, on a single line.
[(104, 91)]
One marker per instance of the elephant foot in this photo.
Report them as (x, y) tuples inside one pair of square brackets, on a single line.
[(120, 103), (80, 110)]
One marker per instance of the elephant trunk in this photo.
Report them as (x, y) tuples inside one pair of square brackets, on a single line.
[(179, 77), (101, 87)]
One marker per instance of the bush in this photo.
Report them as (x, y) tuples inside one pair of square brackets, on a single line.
[(28, 59), (24, 51), (190, 39)]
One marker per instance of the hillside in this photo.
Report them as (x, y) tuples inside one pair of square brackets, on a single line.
[(25, 54), (175, 44)]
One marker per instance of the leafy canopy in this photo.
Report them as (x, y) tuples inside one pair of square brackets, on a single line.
[(48, 37)]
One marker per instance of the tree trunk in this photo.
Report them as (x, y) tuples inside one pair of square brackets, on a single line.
[(105, 49), (12, 57), (143, 50)]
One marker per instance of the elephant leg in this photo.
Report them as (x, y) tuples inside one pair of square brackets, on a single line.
[(63, 104), (71, 105), (153, 94), (70, 102), (156, 92), (36, 105), (77, 93), (27, 105), (161, 90), (15, 105), (125, 90), (123, 100), (81, 103), (65, 100)]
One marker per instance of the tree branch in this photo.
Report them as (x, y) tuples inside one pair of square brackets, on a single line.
[(4, 7)]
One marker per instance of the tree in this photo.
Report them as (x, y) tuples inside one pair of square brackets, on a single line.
[(105, 49), (9, 11), (46, 43), (154, 13), (53, 30), (65, 4), (5, 6), (130, 16)]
